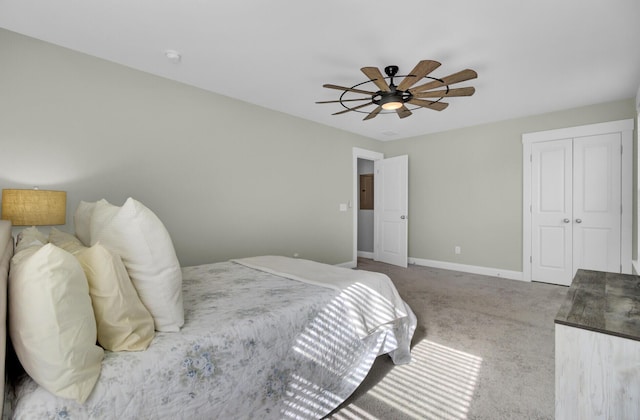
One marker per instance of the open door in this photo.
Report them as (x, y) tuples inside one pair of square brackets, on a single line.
[(391, 210)]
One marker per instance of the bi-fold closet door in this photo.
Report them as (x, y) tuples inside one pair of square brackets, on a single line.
[(575, 206)]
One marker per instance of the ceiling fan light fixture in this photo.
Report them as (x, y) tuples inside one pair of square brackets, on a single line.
[(391, 102), (392, 106)]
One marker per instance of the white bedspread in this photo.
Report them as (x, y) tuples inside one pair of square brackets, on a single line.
[(254, 345), (372, 298)]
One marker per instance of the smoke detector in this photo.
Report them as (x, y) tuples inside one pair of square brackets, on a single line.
[(173, 56)]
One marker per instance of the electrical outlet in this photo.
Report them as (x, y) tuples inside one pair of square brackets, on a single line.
[(457, 250)]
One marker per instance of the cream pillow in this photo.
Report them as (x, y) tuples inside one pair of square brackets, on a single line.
[(136, 234), (82, 221), (51, 322), (64, 240), (124, 324), (28, 237)]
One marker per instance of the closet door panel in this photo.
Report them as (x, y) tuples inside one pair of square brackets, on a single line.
[(551, 212), (597, 202)]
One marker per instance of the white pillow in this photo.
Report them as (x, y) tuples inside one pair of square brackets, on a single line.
[(136, 234), (30, 236), (51, 322), (82, 221), (124, 324)]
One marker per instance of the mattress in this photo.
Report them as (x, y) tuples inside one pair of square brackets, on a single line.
[(254, 345)]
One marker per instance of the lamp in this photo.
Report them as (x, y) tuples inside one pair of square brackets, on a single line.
[(34, 207)]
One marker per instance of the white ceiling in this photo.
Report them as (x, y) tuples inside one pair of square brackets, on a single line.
[(532, 56)]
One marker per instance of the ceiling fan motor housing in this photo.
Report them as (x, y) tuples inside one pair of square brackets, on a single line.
[(382, 98)]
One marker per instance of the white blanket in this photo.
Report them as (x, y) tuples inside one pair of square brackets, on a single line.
[(371, 297)]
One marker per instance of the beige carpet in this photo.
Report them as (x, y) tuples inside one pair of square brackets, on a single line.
[(483, 349)]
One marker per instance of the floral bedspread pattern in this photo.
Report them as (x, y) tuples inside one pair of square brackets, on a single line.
[(254, 345)]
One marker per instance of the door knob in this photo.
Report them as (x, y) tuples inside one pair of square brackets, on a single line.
[(578, 220), (566, 220), (403, 217)]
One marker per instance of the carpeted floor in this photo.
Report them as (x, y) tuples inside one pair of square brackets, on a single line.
[(483, 349)]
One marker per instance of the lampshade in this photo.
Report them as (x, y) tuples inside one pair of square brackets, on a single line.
[(34, 207)]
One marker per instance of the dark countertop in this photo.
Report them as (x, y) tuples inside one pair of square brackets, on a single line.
[(608, 303)]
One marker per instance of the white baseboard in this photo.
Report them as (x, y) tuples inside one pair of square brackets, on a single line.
[(486, 271), (473, 269), (365, 254), (348, 264)]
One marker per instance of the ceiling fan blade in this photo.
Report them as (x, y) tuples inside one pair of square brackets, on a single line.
[(344, 100), (421, 69), (373, 113), (373, 73), (458, 77), (466, 91), (352, 109), (403, 112), (437, 106), (348, 89)]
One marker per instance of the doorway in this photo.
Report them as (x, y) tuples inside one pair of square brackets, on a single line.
[(362, 155), (391, 205), (365, 208)]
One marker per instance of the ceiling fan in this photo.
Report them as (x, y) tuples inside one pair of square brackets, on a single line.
[(390, 97)]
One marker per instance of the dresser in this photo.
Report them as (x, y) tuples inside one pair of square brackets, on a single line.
[(597, 348)]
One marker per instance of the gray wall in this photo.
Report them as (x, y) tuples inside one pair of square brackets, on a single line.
[(465, 186), (227, 178), (230, 179)]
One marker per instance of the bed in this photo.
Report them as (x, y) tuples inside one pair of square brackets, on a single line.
[(262, 338)]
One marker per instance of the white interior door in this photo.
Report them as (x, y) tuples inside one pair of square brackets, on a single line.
[(391, 210), (597, 203), (551, 211)]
